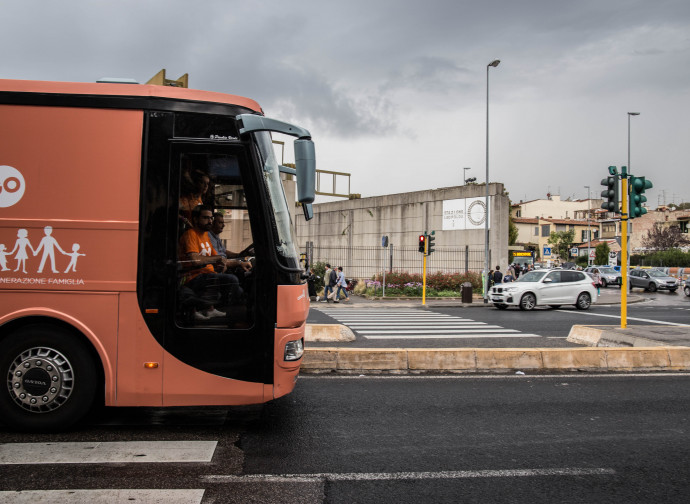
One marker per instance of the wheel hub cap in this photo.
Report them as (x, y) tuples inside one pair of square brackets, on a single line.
[(40, 379)]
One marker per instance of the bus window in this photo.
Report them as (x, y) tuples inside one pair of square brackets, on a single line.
[(215, 257)]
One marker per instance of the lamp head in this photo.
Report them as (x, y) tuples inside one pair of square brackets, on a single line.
[(494, 63), (633, 113)]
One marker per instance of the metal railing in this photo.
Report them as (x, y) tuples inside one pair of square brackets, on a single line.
[(365, 262)]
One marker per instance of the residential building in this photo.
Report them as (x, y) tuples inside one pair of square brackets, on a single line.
[(554, 208)]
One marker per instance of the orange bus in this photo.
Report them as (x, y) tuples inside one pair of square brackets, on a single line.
[(101, 188)]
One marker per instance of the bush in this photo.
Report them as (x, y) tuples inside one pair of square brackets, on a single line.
[(402, 283), (670, 258), (319, 270)]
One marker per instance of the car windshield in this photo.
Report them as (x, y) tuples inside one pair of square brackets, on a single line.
[(608, 271), (657, 273), (532, 276)]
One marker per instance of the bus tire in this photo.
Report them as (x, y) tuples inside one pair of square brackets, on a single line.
[(51, 378)]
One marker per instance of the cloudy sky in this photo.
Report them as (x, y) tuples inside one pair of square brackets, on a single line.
[(394, 92)]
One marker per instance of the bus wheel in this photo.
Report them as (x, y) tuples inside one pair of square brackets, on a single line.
[(51, 379)]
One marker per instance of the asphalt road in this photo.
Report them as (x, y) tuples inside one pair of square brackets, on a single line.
[(390, 324), (519, 439)]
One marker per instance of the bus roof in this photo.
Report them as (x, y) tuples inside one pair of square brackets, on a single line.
[(124, 90)]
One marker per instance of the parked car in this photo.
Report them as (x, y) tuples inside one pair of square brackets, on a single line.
[(686, 288), (546, 287), (652, 280), (609, 276)]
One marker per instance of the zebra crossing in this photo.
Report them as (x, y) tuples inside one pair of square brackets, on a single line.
[(124, 452), (410, 323)]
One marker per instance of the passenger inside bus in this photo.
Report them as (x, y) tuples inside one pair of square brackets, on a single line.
[(215, 287), (206, 273), (194, 186)]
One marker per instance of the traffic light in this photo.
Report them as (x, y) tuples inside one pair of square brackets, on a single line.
[(610, 195), (430, 243), (638, 185), (422, 243)]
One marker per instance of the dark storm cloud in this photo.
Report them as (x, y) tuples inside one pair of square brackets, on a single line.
[(402, 78)]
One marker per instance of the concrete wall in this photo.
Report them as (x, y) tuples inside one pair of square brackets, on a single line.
[(403, 217)]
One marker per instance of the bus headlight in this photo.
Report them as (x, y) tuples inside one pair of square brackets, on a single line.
[(294, 350)]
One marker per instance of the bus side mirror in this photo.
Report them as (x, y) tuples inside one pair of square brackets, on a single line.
[(305, 165), (308, 211)]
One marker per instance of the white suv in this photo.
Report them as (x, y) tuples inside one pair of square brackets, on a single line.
[(545, 287)]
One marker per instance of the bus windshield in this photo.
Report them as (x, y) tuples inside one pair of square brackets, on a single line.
[(285, 244)]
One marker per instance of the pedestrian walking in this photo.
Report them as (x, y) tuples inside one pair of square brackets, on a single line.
[(311, 284), (342, 285), (326, 287), (498, 276), (596, 276)]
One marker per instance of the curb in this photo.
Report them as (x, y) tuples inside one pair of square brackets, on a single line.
[(494, 360), (328, 333), (613, 336)]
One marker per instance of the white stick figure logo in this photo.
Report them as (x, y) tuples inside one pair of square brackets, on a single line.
[(48, 244), (12, 186)]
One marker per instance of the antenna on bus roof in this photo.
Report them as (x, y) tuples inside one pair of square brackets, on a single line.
[(116, 80)]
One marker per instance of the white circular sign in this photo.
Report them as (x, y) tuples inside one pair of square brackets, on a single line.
[(476, 213), (12, 186)]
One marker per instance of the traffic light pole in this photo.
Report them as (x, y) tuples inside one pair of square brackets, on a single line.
[(624, 247), (426, 244)]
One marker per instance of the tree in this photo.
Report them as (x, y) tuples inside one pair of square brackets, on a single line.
[(512, 228), (602, 254), (662, 237), (512, 231), (562, 241)]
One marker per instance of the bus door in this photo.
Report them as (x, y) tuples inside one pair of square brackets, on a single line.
[(218, 319)]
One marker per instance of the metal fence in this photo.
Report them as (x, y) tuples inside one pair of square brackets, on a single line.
[(365, 262)]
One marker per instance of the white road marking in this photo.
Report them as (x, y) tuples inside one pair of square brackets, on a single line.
[(107, 453), (400, 476), (412, 324), (110, 496), (457, 336), (459, 330), (594, 376), (629, 318)]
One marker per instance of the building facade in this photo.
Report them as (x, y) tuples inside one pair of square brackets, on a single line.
[(351, 232)]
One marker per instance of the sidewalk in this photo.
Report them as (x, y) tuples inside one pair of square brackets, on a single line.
[(608, 296), (608, 348)]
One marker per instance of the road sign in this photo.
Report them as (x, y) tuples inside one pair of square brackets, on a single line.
[(547, 251), (592, 253), (573, 251), (613, 258)]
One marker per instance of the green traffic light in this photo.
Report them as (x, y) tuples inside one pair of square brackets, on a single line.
[(638, 185), (610, 194)]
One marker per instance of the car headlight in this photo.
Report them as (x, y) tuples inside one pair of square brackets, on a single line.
[(510, 289), (294, 350)]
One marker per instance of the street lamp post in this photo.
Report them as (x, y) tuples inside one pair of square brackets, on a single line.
[(589, 230), (494, 64), (464, 176)]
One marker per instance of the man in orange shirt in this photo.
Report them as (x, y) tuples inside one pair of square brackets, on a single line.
[(201, 258)]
